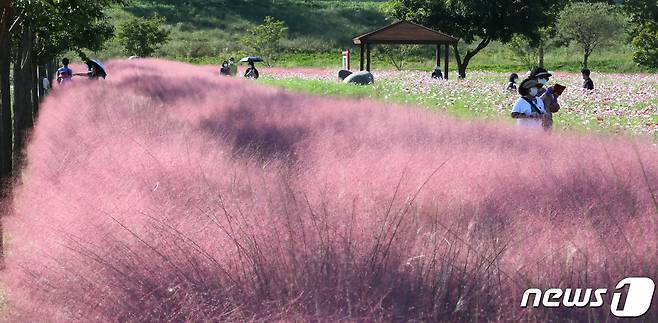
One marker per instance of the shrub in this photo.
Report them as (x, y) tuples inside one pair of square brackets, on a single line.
[(167, 194), (142, 36), (646, 44), (265, 39)]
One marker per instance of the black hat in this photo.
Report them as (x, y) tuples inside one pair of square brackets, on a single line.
[(526, 85), (538, 72)]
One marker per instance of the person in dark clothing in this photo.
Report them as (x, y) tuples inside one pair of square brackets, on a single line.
[(511, 86), (588, 84), (251, 71), (225, 70), (436, 74), (95, 71)]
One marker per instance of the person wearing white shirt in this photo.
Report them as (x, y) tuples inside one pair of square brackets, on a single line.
[(529, 109)]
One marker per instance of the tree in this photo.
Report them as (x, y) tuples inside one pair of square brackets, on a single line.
[(5, 97), (41, 30), (525, 50), (646, 44), (644, 13), (266, 38), (396, 54), (590, 25), (474, 21), (142, 36)]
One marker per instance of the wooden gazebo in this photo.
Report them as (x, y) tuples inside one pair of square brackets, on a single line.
[(405, 32)]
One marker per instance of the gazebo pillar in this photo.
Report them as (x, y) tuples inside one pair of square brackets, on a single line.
[(447, 57), (438, 55), (368, 55), (362, 57)]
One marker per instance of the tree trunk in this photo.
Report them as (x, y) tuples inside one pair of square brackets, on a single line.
[(462, 65), (585, 58), (541, 54), (23, 90), (52, 70), (5, 114), (5, 96), (41, 74), (34, 88)]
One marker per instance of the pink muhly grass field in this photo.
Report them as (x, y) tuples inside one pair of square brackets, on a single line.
[(166, 193)]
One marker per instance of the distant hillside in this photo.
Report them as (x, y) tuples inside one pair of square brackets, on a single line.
[(205, 28), (209, 31)]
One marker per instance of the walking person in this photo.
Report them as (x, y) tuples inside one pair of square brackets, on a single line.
[(588, 83), (529, 108), (95, 70), (64, 73)]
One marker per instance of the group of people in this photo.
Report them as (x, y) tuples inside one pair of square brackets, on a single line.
[(538, 102), (65, 73), (229, 68)]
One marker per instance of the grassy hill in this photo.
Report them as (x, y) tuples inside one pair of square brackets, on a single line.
[(207, 28), (208, 31)]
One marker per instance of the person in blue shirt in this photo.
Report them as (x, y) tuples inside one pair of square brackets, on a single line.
[(64, 73)]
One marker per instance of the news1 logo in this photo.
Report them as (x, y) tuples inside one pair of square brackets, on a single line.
[(635, 302)]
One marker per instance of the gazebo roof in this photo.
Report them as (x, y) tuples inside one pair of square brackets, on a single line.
[(405, 32)]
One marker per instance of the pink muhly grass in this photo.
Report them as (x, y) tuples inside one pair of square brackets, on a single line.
[(166, 193)]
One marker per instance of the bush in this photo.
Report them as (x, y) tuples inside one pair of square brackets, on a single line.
[(265, 39), (148, 199), (646, 44), (142, 36)]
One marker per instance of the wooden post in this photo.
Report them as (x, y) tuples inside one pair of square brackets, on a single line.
[(368, 59), (438, 55), (362, 56), (447, 57)]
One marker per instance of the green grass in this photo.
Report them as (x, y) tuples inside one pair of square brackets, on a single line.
[(480, 97), (379, 91), (214, 28)]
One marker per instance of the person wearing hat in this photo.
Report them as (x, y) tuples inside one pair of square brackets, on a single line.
[(529, 108), (547, 95)]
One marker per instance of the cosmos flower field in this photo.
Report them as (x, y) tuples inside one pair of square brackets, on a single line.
[(168, 194), (621, 103)]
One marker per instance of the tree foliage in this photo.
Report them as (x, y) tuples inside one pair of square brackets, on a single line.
[(525, 50), (590, 25), (142, 36), (62, 25), (265, 39), (396, 54), (644, 14), (646, 44), (475, 21)]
